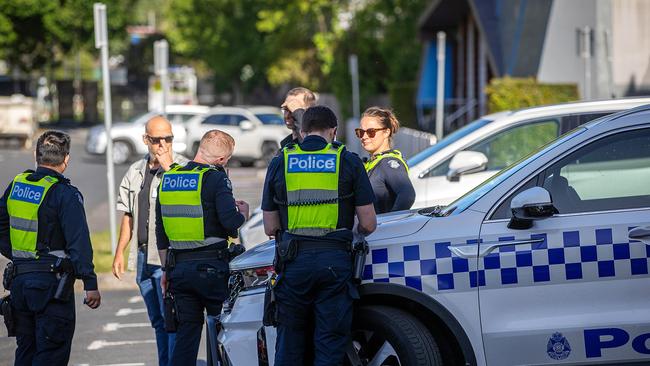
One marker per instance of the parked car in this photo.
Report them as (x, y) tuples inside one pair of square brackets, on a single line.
[(257, 130), (546, 262), (469, 156), (127, 136), (17, 119)]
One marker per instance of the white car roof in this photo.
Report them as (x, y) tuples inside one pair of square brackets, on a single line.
[(507, 118)]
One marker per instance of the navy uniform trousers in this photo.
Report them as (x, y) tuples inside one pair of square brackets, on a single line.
[(44, 326), (314, 297), (197, 286)]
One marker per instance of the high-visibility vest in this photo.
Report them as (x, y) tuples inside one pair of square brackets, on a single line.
[(23, 203), (312, 180), (180, 205), (372, 163)]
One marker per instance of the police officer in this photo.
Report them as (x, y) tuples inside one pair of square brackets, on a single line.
[(294, 106), (195, 214), (386, 168), (311, 195), (43, 230)]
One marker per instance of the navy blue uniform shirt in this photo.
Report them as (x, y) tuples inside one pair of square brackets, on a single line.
[(392, 186), (220, 215), (61, 226), (353, 180)]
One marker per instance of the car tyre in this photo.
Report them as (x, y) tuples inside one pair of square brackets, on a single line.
[(383, 335), (122, 151)]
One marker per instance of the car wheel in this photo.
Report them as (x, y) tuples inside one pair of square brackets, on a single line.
[(121, 152), (385, 336), (269, 151)]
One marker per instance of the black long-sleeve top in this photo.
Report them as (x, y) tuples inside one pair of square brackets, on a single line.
[(220, 215), (61, 226), (392, 186)]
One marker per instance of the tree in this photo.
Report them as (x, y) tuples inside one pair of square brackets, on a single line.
[(36, 33), (222, 34)]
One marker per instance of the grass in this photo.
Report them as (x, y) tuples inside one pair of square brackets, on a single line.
[(102, 256)]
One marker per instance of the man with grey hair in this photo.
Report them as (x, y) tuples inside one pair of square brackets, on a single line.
[(137, 199), (294, 106)]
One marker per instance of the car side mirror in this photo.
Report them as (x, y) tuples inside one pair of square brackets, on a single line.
[(246, 125), (532, 204), (466, 162)]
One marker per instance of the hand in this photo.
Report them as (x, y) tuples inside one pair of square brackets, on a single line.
[(243, 208), (93, 299), (118, 265), (164, 158), (163, 282)]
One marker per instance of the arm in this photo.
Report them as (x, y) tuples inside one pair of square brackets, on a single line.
[(5, 242), (397, 180), (77, 236), (162, 241), (126, 229), (229, 216), (367, 219), (271, 222)]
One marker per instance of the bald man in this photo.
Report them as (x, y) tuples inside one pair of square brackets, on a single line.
[(137, 200), (196, 213)]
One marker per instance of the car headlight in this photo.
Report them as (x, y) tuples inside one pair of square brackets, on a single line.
[(247, 279)]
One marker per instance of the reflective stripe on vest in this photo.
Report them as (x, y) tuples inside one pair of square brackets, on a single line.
[(372, 163), (23, 203), (180, 205), (312, 180)]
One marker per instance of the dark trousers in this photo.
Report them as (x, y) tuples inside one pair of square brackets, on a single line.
[(198, 286), (148, 279), (44, 327), (314, 296)]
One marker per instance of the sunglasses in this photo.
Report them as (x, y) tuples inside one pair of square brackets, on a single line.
[(158, 140), (371, 132)]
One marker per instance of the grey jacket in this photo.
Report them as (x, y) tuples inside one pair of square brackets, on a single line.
[(127, 202)]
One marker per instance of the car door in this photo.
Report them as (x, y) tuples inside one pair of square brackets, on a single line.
[(501, 149), (248, 140), (574, 288)]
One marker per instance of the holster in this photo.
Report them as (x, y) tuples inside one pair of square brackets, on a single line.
[(8, 276), (171, 312), (65, 287), (235, 250), (285, 252), (7, 312), (359, 252), (170, 261), (270, 316)]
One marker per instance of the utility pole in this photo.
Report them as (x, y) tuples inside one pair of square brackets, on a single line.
[(101, 42), (160, 62), (440, 87), (354, 74)]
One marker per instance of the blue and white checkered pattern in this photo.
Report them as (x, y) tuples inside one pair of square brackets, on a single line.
[(433, 266)]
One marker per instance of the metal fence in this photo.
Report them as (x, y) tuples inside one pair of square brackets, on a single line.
[(407, 140)]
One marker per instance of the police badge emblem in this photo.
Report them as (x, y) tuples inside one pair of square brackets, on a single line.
[(393, 164), (558, 348)]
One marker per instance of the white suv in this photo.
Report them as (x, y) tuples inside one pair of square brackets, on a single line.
[(469, 156), (545, 263), (127, 136), (257, 130)]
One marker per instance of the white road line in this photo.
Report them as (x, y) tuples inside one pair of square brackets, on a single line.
[(97, 345), (111, 327), (123, 364), (135, 299), (129, 311)]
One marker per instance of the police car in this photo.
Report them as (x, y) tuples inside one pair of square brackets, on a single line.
[(545, 263)]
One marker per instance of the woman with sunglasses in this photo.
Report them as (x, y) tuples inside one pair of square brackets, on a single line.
[(386, 168)]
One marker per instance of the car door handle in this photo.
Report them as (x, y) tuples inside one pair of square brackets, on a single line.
[(641, 234), (474, 251)]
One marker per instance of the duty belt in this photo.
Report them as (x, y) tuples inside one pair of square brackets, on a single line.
[(27, 267), (215, 252), (323, 245)]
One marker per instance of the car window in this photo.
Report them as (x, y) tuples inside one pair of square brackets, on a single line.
[(609, 174), (238, 118), (185, 117), (219, 119), (574, 120), (508, 146), (271, 119)]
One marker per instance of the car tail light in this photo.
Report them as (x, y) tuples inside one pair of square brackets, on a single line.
[(23, 120), (257, 276)]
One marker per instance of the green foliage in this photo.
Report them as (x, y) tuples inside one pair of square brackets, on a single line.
[(35, 33), (514, 93), (402, 97)]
